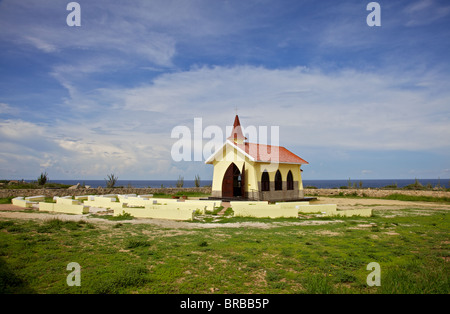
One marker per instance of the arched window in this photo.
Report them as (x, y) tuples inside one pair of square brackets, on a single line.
[(265, 182), (278, 181), (290, 181)]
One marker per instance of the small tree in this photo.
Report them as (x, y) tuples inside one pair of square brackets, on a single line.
[(43, 178), (180, 182), (111, 181), (417, 184), (197, 181)]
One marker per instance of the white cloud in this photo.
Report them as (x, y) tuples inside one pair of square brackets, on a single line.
[(7, 109), (425, 12), (109, 122), (17, 130), (72, 149), (347, 108), (104, 28), (41, 44)]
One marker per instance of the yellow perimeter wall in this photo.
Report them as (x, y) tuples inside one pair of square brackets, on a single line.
[(158, 212)]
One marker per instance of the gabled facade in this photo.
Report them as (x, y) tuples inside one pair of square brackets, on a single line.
[(255, 171)]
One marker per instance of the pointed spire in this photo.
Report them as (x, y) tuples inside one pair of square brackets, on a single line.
[(236, 135)]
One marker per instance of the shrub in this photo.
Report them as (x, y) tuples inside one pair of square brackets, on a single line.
[(134, 243), (414, 186), (180, 182), (43, 178), (229, 212), (318, 284), (122, 216), (197, 181), (111, 181), (134, 276)]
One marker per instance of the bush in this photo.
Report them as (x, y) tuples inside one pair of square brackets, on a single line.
[(414, 186), (318, 284), (43, 178), (9, 281), (134, 243), (134, 276), (229, 212), (180, 182), (122, 216), (391, 186), (55, 224), (111, 181), (197, 181)]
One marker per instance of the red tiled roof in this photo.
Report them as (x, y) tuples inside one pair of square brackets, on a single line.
[(259, 152), (268, 153)]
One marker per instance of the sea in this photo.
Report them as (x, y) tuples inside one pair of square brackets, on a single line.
[(320, 184)]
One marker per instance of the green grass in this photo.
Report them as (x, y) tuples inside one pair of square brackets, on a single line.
[(411, 247), (417, 198), (398, 197), (6, 200)]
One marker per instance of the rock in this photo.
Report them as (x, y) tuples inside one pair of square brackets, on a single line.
[(74, 187)]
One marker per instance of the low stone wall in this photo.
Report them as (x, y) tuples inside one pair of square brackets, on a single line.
[(98, 191), (374, 192), (206, 190)]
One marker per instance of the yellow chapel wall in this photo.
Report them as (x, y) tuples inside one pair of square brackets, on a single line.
[(253, 172), (284, 170), (221, 164)]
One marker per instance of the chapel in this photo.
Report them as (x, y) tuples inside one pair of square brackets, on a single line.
[(252, 171)]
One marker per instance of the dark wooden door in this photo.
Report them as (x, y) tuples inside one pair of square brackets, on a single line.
[(227, 182)]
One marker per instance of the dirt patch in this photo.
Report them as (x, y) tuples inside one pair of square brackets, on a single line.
[(328, 233), (392, 233), (10, 207)]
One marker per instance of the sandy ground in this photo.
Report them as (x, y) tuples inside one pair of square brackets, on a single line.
[(11, 211), (358, 203)]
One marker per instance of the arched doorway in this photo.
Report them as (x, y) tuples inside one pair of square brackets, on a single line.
[(265, 182), (278, 181), (290, 181), (233, 182)]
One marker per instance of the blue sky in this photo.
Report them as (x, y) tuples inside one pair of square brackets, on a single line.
[(353, 100)]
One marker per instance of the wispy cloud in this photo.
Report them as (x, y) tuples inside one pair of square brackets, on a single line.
[(425, 12), (371, 111), (85, 101), (111, 32)]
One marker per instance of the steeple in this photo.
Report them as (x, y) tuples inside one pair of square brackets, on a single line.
[(236, 135)]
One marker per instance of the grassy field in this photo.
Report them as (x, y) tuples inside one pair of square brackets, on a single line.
[(397, 197), (306, 255)]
